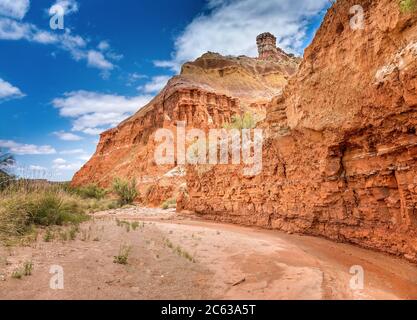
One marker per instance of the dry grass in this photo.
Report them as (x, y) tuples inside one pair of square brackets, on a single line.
[(26, 206)]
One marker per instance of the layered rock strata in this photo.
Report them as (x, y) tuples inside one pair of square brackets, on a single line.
[(207, 93), (340, 157)]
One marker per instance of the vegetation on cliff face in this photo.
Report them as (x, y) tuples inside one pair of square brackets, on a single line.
[(408, 6), (245, 121)]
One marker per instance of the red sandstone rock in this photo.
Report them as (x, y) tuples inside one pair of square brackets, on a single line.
[(341, 157), (206, 95)]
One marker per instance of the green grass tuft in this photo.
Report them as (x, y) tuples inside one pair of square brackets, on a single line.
[(123, 256)]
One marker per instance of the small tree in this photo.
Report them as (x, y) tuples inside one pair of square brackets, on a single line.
[(125, 190)]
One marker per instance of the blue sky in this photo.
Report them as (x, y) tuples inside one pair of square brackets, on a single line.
[(60, 88)]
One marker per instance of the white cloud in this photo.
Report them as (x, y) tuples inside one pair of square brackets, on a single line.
[(62, 165), (72, 151), (45, 37), (37, 168), (59, 161), (97, 60), (8, 91), (67, 136), (16, 9), (156, 84), (103, 46), (84, 157), (133, 77), (26, 149), (93, 131), (231, 27), (93, 112), (12, 29), (68, 7)]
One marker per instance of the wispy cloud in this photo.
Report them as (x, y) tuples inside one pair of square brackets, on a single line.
[(16, 9), (63, 165), (231, 27), (97, 60), (155, 85), (133, 77), (8, 91), (68, 6), (93, 131), (72, 151), (84, 157), (37, 168), (93, 112), (26, 149), (12, 28), (103, 46), (67, 136)]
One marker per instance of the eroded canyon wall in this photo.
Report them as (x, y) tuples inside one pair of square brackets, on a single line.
[(207, 93), (340, 157)]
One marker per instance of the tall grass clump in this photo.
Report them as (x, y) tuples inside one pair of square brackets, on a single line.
[(125, 190), (22, 210)]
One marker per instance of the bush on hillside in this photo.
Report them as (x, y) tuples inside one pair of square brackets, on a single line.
[(125, 190), (408, 5)]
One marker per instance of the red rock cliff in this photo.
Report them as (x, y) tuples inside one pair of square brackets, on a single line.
[(207, 94), (340, 160)]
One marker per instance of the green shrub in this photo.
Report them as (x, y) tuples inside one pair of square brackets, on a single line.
[(123, 255), (169, 204), (125, 190), (135, 225), (21, 212), (408, 5), (26, 271), (91, 191), (53, 209)]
